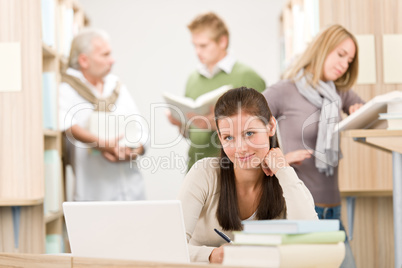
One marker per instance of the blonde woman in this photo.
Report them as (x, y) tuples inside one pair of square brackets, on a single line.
[(307, 105)]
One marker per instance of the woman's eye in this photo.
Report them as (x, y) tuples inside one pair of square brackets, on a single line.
[(228, 138), (249, 133)]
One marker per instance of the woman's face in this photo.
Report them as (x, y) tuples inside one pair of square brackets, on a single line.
[(245, 139), (337, 62)]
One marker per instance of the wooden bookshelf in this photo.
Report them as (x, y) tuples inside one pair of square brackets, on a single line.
[(21, 141), (23, 225), (54, 60), (364, 172)]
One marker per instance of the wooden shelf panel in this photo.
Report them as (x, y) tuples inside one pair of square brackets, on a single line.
[(63, 62), (48, 52), (365, 133), (388, 140), (53, 216), (366, 193), (51, 133), (20, 202)]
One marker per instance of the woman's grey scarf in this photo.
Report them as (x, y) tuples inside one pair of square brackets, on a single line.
[(324, 97)]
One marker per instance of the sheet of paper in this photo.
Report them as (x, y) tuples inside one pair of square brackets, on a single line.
[(392, 44), (367, 62), (10, 66)]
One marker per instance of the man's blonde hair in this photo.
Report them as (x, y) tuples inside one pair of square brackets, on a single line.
[(316, 53), (209, 21), (82, 43)]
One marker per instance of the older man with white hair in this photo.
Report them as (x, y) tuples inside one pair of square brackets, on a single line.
[(105, 133)]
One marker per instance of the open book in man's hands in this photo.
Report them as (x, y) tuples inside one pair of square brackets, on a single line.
[(180, 106)]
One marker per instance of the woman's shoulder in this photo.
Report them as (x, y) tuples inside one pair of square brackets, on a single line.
[(282, 86), (207, 165), (349, 97), (205, 174), (345, 93), (280, 89)]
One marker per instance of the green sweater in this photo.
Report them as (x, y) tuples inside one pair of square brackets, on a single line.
[(205, 143)]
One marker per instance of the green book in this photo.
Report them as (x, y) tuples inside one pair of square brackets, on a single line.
[(242, 238)]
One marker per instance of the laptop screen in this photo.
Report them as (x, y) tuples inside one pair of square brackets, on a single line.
[(130, 230)]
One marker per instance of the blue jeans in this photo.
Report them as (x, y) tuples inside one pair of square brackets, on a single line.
[(335, 213)]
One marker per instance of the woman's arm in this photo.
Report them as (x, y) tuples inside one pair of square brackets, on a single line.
[(297, 157), (299, 201), (350, 101), (194, 194)]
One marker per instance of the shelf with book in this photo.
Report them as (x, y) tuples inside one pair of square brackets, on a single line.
[(26, 136), (59, 26), (364, 172)]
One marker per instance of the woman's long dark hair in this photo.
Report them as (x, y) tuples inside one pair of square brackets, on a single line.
[(272, 204)]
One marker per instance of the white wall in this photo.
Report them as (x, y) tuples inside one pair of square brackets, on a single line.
[(153, 52)]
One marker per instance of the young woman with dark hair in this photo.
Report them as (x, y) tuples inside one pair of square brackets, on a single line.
[(250, 181)]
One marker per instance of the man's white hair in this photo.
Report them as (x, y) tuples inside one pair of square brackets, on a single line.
[(82, 43)]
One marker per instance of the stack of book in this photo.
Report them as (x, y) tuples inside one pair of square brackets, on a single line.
[(394, 114), (287, 243), (372, 114)]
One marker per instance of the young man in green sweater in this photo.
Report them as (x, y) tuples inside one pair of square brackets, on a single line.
[(210, 37)]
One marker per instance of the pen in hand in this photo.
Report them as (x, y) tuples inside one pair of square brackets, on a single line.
[(225, 237)]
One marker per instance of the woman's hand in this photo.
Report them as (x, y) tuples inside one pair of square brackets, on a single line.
[(297, 157), (274, 161), (217, 255), (353, 108)]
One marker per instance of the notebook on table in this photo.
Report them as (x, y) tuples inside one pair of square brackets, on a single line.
[(130, 230)]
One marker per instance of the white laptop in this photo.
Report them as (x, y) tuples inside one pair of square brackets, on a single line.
[(130, 230)]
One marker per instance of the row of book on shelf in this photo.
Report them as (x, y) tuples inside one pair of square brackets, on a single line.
[(53, 197), (287, 243), (58, 33), (393, 116), (49, 100), (53, 180)]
